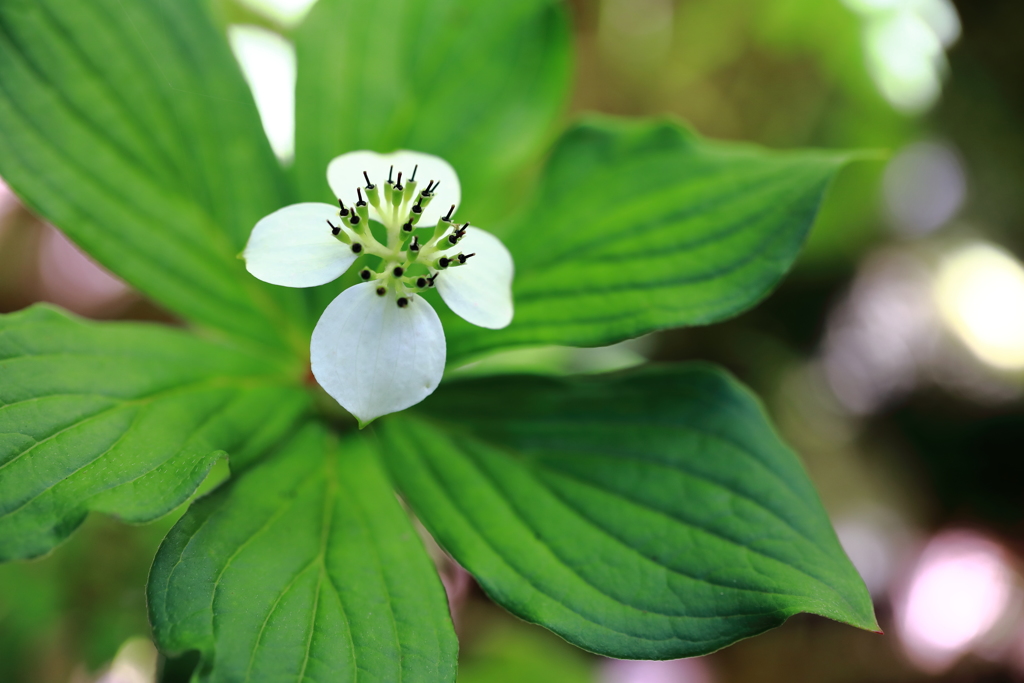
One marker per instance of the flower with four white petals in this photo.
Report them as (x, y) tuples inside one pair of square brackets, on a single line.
[(379, 346)]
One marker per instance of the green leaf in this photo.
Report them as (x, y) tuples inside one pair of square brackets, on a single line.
[(305, 568), (128, 125), (641, 226), (480, 84), (647, 515), (121, 418), (516, 652)]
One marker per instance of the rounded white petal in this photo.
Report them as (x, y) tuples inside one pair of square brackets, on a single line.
[(294, 247), (375, 358), (480, 291), (345, 174)]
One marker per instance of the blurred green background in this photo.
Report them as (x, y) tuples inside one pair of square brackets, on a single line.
[(892, 358)]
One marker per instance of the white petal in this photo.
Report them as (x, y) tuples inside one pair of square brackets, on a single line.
[(480, 291), (294, 247), (345, 174), (375, 358)]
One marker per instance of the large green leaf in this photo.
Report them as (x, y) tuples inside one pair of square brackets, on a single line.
[(121, 418), (305, 568), (128, 125), (480, 84), (641, 226), (651, 514)]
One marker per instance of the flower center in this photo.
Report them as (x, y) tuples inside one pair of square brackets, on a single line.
[(410, 256)]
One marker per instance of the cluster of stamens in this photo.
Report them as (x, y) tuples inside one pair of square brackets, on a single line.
[(412, 255)]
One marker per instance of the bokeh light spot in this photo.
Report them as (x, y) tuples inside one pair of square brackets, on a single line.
[(924, 188), (905, 43), (959, 589), (980, 293)]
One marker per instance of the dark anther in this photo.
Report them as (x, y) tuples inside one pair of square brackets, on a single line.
[(365, 273), (369, 185), (464, 257), (334, 229), (407, 227), (430, 186), (344, 211), (412, 178), (431, 279), (450, 212), (398, 185), (359, 193), (390, 171), (443, 262), (417, 208), (458, 234), (415, 244), (402, 302), (355, 219), (398, 271), (356, 247), (381, 291), (421, 282)]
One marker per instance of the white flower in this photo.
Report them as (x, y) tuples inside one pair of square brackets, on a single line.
[(379, 347)]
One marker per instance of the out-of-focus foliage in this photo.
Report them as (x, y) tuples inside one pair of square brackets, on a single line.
[(513, 652), (72, 609)]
